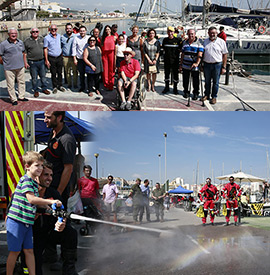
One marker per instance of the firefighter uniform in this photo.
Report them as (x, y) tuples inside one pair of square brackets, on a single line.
[(210, 194), (172, 48), (231, 193), (61, 150)]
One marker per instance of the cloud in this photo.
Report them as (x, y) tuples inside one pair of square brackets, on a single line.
[(136, 176), (196, 130), (109, 150)]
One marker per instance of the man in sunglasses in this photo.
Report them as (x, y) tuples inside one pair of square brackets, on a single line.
[(35, 61), (66, 44), (130, 70), (53, 58)]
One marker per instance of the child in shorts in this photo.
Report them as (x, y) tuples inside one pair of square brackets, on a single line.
[(21, 214)]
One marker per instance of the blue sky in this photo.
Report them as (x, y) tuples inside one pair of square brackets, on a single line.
[(133, 6), (128, 143)]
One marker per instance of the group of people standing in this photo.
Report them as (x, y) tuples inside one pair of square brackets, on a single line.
[(99, 56)]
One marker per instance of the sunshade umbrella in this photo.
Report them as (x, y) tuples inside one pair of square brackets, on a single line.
[(81, 129), (242, 177)]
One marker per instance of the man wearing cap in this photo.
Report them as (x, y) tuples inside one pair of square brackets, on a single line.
[(35, 57), (129, 72), (215, 60), (172, 48)]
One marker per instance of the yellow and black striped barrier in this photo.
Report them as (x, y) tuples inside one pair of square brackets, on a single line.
[(257, 209)]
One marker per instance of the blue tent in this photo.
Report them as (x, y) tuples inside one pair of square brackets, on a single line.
[(180, 190), (81, 129)]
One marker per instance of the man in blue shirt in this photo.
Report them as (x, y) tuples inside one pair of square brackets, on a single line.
[(146, 192), (66, 44), (13, 58), (53, 57)]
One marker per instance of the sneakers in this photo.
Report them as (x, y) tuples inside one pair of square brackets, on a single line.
[(123, 106), (128, 106), (62, 89), (165, 91), (205, 98), (15, 103), (54, 91)]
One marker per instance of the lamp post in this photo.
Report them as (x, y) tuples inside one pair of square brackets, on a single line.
[(159, 155), (165, 136), (96, 155)]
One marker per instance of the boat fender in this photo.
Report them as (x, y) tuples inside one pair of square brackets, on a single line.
[(261, 29)]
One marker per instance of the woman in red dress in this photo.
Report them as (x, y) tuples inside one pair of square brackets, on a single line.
[(108, 58)]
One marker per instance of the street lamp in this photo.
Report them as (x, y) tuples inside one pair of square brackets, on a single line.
[(165, 136), (96, 155), (159, 155)]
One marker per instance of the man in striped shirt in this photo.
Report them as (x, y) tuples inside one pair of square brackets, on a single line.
[(22, 212), (192, 51)]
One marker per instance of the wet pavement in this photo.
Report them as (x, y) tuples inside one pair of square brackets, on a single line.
[(242, 94), (185, 247)]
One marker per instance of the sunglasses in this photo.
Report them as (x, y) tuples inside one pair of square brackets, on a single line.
[(92, 40), (54, 29), (35, 31), (126, 53)]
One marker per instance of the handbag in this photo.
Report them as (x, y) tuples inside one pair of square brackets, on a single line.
[(74, 204), (89, 70), (153, 69)]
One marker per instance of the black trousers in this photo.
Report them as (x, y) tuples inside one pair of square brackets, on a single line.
[(171, 67), (195, 77), (67, 239), (93, 80), (56, 70), (81, 69)]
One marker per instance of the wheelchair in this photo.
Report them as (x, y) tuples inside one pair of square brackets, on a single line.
[(139, 95)]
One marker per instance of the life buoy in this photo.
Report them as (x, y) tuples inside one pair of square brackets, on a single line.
[(261, 29)]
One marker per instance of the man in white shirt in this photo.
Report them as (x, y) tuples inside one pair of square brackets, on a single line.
[(78, 47), (215, 60)]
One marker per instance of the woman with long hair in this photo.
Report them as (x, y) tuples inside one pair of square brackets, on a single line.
[(93, 61), (151, 48), (135, 42), (108, 57)]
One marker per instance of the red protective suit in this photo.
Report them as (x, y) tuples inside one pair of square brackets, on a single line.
[(231, 192), (108, 60), (210, 194)]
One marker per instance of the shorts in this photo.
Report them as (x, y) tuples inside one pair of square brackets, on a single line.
[(19, 235), (122, 81), (110, 207)]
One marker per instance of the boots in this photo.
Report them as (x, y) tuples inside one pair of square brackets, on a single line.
[(69, 257), (167, 88), (175, 88)]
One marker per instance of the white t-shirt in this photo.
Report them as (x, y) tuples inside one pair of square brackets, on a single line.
[(214, 50), (120, 49)]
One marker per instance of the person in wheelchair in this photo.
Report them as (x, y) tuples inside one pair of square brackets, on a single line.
[(129, 72)]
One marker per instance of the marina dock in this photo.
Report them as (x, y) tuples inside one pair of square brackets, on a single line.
[(242, 94)]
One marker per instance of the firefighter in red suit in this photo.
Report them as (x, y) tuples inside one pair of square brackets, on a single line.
[(208, 195), (231, 192)]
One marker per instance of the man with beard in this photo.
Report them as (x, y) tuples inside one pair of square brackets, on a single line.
[(48, 231), (68, 61), (60, 152), (231, 193), (208, 195)]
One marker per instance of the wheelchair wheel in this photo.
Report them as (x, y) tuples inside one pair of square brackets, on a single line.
[(142, 88), (84, 231)]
